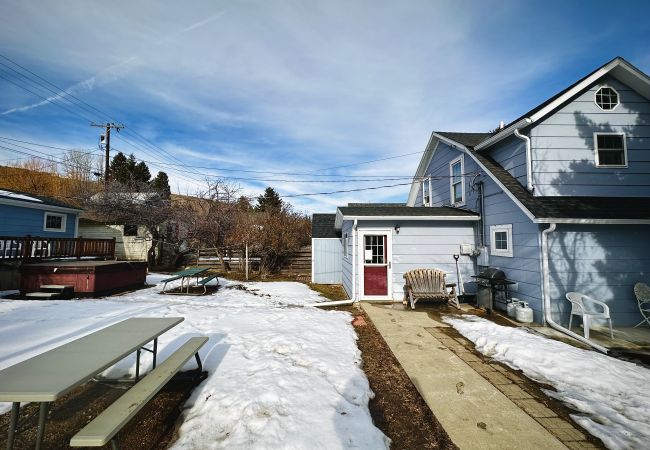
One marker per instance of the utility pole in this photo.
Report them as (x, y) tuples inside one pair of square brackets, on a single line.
[(107, 145)]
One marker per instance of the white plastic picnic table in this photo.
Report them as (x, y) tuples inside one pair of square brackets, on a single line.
[(46, 377)]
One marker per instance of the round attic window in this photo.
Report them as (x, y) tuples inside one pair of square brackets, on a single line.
[(607, 98)]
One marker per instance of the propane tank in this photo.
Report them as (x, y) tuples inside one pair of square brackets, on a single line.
[(523, 313), (511, 307)]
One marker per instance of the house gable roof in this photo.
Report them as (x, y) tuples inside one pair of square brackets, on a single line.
[(548, 209), (322, 226), (560, 209), (18, 198), (618, 67)]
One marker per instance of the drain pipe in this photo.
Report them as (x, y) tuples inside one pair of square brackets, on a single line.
[(334, 303), (354, 260), (546, 283), (529, 158)]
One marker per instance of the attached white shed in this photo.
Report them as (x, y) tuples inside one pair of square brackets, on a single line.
[(131, 242), (326, 250)]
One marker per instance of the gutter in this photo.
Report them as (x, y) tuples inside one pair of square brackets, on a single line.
[(503, 134), (529, 156), (594, 221), (416, 218), (546, 284)]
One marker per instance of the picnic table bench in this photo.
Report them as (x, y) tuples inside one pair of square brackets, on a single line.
[(187, 274), (428, 284), (46, 377), (106, 426)]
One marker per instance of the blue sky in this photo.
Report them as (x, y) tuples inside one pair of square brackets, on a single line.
[(297, 87)]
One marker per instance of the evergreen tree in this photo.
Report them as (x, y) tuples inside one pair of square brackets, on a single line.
[(269, 201), (118, 168), (129, 171), (131, 163), (244, 203), (141, 173), (161, 185)]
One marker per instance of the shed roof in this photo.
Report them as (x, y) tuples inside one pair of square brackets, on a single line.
[(322, 226), (381, 211)]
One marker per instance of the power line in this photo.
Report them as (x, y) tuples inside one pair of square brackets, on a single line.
[(368, 162), (64, 94), (347, 190), (350, 180)]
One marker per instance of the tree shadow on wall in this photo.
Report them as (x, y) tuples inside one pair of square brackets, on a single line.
[(602, 261)]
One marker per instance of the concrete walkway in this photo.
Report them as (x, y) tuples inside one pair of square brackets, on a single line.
[(472, 410)]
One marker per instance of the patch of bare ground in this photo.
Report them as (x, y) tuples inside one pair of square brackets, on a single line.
[(153, 428), (397, 409)]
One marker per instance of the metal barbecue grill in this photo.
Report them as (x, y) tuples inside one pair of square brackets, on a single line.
[(492, 288)]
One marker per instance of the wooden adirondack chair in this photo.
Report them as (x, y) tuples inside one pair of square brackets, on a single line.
[(429, 284)]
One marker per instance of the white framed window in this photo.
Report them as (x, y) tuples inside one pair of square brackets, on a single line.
[(345, 245), (54, 222), (606, 98), (456, 183), (501, 240), (426, 191), (610, 149)]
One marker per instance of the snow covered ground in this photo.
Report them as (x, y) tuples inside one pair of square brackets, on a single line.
[(611, 394), (280, 374)]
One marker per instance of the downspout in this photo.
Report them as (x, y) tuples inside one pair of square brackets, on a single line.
[(546, 283), (354, 261), (529, 158)]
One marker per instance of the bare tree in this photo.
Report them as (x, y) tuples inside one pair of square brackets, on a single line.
[(122, 204), (282, 233), (210, 215), (78, 167)]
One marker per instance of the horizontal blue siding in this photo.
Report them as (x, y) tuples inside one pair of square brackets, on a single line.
[(511, 155), (524, 266), (603, 262), (439, 167), (564, 152), (428, 245), (18, 221), (327, 261)]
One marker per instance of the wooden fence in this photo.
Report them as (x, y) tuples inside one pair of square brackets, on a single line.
[(36, 248), (297, 264)]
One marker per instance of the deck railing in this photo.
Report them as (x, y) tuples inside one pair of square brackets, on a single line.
[(36, 248)]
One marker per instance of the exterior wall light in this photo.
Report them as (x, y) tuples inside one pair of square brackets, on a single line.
[(397, 228)]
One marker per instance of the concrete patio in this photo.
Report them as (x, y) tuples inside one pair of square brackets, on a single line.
[(479, 403)]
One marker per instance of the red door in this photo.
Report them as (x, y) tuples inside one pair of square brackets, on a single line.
[(375, 266)]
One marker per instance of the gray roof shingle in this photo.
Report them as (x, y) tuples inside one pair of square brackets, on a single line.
[(569, 207), (322, 226), (467, 139)]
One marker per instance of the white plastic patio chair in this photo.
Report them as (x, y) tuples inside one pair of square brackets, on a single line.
[(642, 292), (579, 308)]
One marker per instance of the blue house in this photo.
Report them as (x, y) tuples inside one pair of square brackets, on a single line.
[(23, 214), (559, 199)]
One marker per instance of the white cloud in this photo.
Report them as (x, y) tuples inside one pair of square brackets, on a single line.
[(285, 86)]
